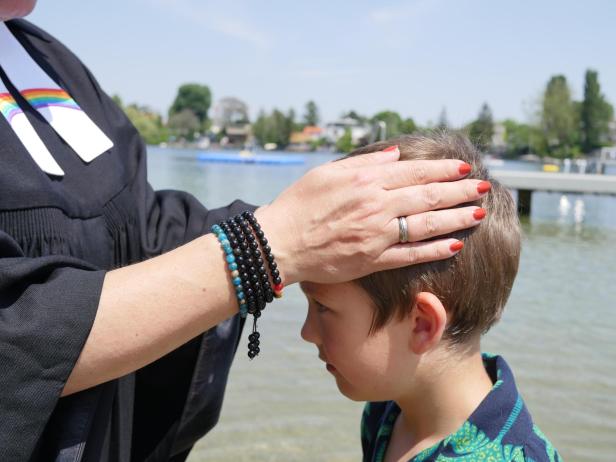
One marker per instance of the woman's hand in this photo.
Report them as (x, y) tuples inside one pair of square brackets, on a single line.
[(340, 220)]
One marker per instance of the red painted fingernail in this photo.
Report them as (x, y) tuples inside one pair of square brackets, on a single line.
[(391, 148), (484, 187), (465, 169), (456, 246), (479, 214)]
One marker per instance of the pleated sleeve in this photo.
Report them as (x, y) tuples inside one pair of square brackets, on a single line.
[(47, 307)]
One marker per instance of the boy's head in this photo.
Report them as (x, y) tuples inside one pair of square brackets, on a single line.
[(378, 320)]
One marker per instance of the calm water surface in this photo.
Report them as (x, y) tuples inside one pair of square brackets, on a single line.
[(558, 331)]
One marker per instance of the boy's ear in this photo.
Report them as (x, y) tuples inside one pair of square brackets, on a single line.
[(428, 322)]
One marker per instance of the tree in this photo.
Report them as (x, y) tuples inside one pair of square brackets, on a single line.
[(482, 129), (345, 142), (194, 97), (595, 113), (291, 126), (408, 126), (259, 128), (559, 120), (184, 124), (519, 138), (118, 100), (311, 117), (442, 124), (148, 123), (393, 122), (355, 116), (275, 128)]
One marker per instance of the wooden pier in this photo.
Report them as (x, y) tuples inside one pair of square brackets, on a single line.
[(528, 182)]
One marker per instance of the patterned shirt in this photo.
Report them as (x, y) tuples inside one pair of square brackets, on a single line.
[(499, 430)]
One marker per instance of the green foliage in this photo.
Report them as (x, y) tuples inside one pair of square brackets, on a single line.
[(273, 128), (595, 113), (318, 143), (195, 98), (148, 123), (482, 129), (345, 142), (567, 128), (293, 126), (521, 139), (559, 119), (311, 117), (393, 122), (443, 123), (184, 125), (408, 126), (352, 114), (116, 99)]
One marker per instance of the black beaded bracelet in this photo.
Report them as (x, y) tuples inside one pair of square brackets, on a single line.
[(236, 245), (259, 264), (249, 269), (258, 277), (244, 240), (267, 250)]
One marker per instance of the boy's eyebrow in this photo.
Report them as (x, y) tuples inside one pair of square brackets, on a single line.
[(315, 292), (311, 290), (306, 288)]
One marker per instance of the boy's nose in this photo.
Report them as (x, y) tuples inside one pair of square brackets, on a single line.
[(309, 332)]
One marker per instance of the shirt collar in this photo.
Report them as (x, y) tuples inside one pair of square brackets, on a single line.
[(501, 417)]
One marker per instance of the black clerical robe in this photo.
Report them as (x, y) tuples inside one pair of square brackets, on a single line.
[(58, 236)]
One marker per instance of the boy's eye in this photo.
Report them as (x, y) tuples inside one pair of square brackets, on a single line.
[(320, 308)]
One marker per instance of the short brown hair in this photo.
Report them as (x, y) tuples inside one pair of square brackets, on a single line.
[(473, 285)]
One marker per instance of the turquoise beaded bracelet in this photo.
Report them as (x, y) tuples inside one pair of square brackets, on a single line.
[(232, 265)]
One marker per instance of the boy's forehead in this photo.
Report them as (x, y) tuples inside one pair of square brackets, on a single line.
[(309, 288), (325, 291), (313, 289)]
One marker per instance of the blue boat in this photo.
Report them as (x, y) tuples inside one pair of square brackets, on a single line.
[(248, 157)]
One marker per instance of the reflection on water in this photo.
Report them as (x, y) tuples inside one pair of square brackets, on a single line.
[(557, 332)]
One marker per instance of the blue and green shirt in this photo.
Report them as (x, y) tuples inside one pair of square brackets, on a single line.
[(499, 430)]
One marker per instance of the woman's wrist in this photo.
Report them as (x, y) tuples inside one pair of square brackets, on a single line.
[(280, 241)]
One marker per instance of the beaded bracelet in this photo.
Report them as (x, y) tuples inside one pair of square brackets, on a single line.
[(237, 251), (256, 265), (267, 250), (232, 265), (248, 272), (248, 268)]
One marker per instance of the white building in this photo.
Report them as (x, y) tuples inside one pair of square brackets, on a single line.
[(498, 137), (336, 129)]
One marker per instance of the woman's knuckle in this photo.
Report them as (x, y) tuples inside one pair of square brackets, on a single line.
[(431, 223), (419, 174), (366, 250), (363, 178), (368, 208), (432, 195), (440, 252), (470, 193), (414, 255)]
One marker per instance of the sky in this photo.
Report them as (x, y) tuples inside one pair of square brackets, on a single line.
[(415, 57)]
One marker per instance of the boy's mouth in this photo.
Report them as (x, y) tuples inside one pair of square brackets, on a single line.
[(328, 366)]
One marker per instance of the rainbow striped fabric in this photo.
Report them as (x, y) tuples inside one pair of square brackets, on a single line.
[(52, 102), (38, 98), (45, 97), (8, 106)]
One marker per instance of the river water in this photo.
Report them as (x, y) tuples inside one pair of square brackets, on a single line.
[(557, 333)]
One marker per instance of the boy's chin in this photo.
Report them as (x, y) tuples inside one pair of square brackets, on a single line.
[(353, 393)]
